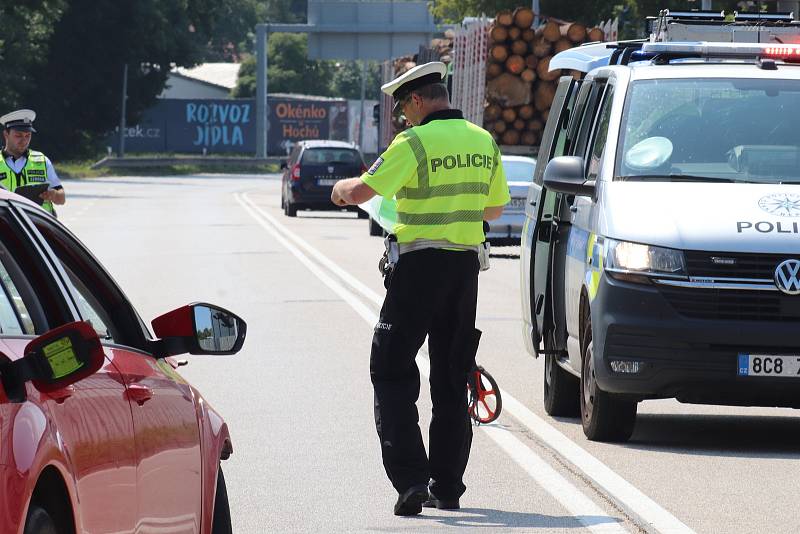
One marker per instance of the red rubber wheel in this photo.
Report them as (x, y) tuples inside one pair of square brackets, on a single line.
[(483, 396)]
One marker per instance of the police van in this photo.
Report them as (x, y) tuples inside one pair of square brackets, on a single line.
[(661, 247)]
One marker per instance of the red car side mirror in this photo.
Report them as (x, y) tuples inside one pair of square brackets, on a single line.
[(54, 360), (199, 328)]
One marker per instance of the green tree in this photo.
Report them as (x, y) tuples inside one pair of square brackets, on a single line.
[(346, 82), (76, 91), (24, 44), (288, 69)]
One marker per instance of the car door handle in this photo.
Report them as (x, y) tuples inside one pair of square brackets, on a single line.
[(140, 394), (60, 395)]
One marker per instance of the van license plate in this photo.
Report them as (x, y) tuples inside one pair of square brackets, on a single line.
[(327, 181), (769, 365)]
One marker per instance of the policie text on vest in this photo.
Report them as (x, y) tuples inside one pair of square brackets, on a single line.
[(462, 161)]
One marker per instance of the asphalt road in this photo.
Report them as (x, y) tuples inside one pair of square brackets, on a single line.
[(298, 400)]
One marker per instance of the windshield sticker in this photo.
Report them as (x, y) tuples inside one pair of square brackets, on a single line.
[(378, 163), (781, 204)]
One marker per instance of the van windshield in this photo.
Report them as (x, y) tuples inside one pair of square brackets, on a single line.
[(712, 129)]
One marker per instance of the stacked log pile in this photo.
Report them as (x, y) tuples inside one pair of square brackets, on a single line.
[(520, 87)]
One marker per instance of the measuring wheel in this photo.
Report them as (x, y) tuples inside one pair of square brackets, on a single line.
[(483, 396)]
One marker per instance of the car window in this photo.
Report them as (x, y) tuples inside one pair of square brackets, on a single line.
[(587, 117), (595, 153), (519, 171), (567, 128), (294, 154), (742, 130), (91, 295), (330, 155), (31, 302), (14, 315)]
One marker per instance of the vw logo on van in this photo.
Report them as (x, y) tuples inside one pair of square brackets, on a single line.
[(781, 204), (787, 277)]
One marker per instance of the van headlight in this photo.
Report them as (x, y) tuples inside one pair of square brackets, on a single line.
[(635, 262)]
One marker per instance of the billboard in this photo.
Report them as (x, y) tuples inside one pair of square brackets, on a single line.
[(201, 126)]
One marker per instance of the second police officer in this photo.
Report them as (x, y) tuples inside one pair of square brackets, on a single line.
[(446, 175), (20, 166)]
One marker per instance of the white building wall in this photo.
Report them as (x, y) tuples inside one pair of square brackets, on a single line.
[(179, 87)]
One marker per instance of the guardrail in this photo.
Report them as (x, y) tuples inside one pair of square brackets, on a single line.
[(114, 162)]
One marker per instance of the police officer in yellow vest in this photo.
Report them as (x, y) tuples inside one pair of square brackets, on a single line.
[(21, 166), (446, 176)]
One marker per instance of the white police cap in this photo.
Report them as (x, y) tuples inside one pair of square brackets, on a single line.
[(21, 119), (419, 76)]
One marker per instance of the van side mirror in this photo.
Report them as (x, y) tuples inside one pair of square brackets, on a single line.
[(54, 360), (284, 165), (199, 328), (565, 174)]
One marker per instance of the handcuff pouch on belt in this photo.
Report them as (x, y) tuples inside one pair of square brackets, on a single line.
[(391, 255), (483, 249)]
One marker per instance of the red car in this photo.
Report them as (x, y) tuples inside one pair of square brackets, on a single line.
[(132, 447)]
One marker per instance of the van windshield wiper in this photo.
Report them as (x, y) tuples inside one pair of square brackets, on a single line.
[(676, 178)]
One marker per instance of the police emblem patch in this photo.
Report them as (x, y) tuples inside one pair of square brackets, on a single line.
[(378, 163), (781, 204)]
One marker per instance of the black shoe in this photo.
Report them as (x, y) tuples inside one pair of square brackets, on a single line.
[(410, 502), (442, 504)]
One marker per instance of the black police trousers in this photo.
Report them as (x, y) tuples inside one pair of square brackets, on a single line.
[(432, 292)]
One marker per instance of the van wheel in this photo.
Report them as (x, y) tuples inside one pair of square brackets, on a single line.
[(290, 209), (374, 228), (221, 524), (39, 521), (605, 417), (561, 389)]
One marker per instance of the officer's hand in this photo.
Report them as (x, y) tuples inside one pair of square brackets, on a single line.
[(336, 196), (56, 196)]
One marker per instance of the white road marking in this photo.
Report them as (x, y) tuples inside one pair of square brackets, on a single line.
[(647, 512), (585, 511)]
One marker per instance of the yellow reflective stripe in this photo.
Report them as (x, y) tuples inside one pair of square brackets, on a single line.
[(36, 156), (420, 155), (433, 219), (594, 253), (446, 190), (496, 161)]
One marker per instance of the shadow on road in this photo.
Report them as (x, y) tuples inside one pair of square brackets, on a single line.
[(500, 519), (743, 436), (718, 435)]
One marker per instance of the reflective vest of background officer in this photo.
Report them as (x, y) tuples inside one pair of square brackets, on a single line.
[(446, 175), (20, 166)]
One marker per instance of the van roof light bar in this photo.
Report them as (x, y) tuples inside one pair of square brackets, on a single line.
[(723, 50)]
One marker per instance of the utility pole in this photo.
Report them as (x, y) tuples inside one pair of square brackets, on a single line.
[(121, 153), (262, 126), (361, 113)]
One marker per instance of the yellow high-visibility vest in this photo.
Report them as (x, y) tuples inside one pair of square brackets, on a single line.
[(34, 172), (443, 174)]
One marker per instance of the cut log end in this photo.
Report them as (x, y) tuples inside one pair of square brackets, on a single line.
[(523, 17), (505, 17)]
